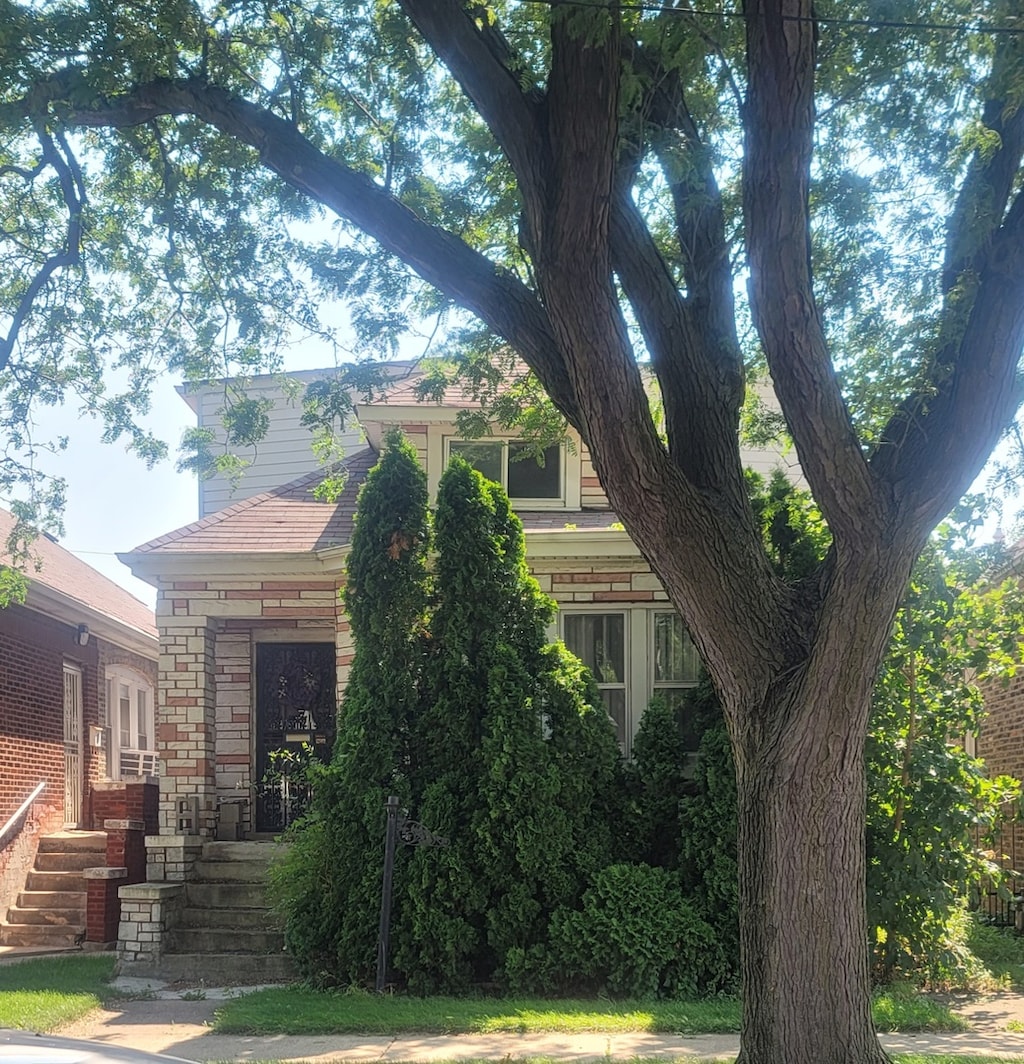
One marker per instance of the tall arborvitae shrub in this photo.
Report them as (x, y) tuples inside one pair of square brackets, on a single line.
[(513, 757), (329, 884)]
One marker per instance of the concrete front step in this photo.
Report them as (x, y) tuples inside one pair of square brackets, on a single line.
[(56, 881), (241, 870), (216, 969), (74, 841), (226, 895), (249, 919), (73, 861), (224, 940), (51, 899), (51, 917), (51, 910), (41, 935), (264, 852)]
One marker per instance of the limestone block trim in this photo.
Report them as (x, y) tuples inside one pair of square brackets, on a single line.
[(149, 911)]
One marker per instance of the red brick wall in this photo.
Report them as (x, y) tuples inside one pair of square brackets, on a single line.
[(126, 801), (102, 910), (33, 649), (1001, 745)]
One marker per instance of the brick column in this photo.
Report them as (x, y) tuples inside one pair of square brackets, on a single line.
[(102, 906), (186, 728), (148, 912)]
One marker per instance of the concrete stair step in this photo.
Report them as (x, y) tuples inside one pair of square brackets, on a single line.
[(59, 881), (72, 861), (74, 841), (235, 871), (226, 895), (40, 935), (264, 852), (243, 919), (224, 940), (49, 917), (216, 969), (52, 899)]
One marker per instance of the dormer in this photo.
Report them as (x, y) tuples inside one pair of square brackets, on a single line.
[(562, 480)]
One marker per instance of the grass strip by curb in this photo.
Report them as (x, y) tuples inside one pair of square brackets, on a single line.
[(297, 1010)]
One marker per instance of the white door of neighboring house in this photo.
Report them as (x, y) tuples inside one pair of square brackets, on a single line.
[(72, 745)]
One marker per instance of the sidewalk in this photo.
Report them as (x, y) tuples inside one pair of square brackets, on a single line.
[(167, 1023)]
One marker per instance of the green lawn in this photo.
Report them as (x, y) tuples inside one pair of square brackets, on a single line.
[(47, 992), (296, 1010), (950, 1058)]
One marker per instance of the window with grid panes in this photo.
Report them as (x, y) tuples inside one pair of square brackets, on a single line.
[(599, 641)]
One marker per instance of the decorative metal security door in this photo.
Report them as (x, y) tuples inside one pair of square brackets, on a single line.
[(295, 720), (72, 745)]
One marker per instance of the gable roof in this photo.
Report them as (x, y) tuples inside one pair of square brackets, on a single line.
[(66, 580), (288, 519)]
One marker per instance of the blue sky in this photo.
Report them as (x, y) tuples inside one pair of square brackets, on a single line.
[(114, 502)]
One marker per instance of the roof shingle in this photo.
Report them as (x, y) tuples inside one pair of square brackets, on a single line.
[(288, 519), (62, 572)]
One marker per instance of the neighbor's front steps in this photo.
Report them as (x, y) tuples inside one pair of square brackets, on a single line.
[(50, 912)]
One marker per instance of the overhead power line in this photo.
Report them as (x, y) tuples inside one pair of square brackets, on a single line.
[(981, 28)]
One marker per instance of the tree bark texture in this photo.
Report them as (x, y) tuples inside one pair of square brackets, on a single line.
[(802, 927)]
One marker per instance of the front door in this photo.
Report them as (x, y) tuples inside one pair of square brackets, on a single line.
[(295, 720), (72, 745)]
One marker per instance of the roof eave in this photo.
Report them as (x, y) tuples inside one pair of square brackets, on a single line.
[(579, 543), (157, 566), (68, 610)]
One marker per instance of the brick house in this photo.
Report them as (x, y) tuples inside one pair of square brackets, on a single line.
[(255, 646), (249, 611), (77, 723)]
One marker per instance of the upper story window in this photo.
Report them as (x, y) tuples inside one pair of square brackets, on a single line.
[(131, 727), (512, 464)]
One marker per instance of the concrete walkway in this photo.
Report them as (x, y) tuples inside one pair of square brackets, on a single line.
[(169, 1023)]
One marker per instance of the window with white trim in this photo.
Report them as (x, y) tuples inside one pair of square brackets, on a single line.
[(131, 725), (674, 659), (634, 654), (527, 478), (599, 641)]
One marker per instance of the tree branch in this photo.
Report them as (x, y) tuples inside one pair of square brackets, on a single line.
[(701, 385), (69, 177), (951, 427), (692, 340), (482, 61), (776, 169), (939, 440), (439, 257)]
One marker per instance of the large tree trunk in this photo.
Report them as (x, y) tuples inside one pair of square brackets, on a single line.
[(802, 925), (801, 793)]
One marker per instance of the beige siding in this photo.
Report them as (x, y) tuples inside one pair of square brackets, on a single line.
[(592, 496), (283, 455)]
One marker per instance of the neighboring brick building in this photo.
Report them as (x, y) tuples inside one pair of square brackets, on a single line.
[(1000, 744), (255, 648), (77, 679)]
